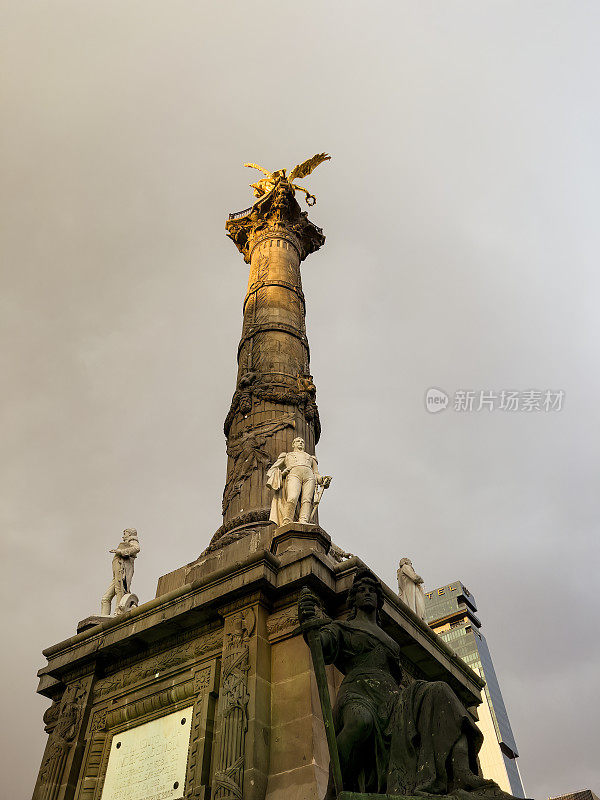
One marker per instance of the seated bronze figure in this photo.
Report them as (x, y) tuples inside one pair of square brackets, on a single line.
[(395, 738)]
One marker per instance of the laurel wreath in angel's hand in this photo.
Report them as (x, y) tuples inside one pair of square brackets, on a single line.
[(265, 185)]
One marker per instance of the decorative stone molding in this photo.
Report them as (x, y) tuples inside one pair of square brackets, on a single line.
[(51, 715), (150, 705), (299, 536), (133, 710), (285, 284), (203, 680), (99, 721), (165, 661), (201, 738), (223, 536), (273, 326), (283, 622), (233, 706), (300, 391), (52, 765), (63, 737), (247, 452), (276, 213)]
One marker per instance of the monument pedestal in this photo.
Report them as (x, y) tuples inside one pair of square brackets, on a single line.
[(224, 651), (298, 536)]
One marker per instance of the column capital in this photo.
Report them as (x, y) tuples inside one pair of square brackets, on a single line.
[(275, 215)]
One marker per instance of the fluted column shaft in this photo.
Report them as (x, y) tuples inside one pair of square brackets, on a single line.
[(274, 399)]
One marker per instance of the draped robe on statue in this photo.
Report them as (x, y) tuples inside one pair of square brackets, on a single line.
[(415, 727), (411, 589)]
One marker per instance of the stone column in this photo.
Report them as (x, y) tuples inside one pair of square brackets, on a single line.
[(274, 400)]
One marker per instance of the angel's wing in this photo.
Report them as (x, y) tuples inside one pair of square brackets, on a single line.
[(260, 169), (301, 170)]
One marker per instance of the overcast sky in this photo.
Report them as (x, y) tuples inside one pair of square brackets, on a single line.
[(460, 208)]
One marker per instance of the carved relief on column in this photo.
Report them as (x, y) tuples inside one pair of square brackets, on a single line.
[(233, 706), (51, 716), (206, 685), (248, 452), (274, 383), (63, 720), (298, 391)]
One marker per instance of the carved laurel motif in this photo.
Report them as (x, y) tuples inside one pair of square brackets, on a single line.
[(172, 658), (247, 452), (99, 721), (56, 749), (302, 395), (284, 620), (65, 731)]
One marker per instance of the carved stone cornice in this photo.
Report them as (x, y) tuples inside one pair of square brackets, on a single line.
[(276, 215), (151, 704)]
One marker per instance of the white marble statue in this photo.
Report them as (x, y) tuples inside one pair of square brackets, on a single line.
[(122, 568), (410, 587), (294, 478)]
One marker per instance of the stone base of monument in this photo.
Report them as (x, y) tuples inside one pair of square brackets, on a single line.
[(218, 667), (298, 536)]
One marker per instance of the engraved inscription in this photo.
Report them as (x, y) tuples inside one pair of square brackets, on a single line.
[(148, 762)]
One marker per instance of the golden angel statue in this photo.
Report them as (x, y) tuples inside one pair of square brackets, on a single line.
[(265, 185)]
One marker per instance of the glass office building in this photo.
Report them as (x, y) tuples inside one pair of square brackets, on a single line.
[(450, 611), (584, 794)]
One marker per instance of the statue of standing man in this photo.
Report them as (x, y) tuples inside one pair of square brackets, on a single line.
[(294, 478), (122, 568), (410, 587)]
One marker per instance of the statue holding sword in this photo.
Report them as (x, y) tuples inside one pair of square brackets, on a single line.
[(295, 480)]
